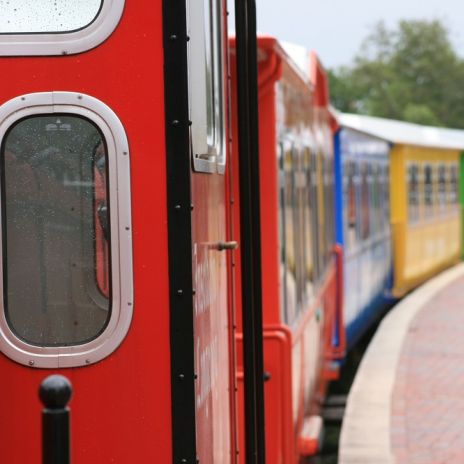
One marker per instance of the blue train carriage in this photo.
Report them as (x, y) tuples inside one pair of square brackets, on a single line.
[(419, 215), (362, 205)]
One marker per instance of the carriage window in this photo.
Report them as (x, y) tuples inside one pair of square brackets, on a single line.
[(442, 187), (206, 86), (291, 235), (282, 232), (428, 189), (453, 187), (365, 201), (413, 193), (32, 16), (56, 27), (351, 200), (56, 230), (308, 222), (386, 199)]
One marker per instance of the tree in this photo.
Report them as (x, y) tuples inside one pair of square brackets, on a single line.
[(410, 73)]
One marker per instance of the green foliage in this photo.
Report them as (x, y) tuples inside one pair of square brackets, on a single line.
[(409, 73)]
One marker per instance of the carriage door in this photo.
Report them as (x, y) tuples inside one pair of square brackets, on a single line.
[(207, 113), (209, 337)]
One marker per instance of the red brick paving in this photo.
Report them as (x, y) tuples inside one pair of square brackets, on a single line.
[(427, 424)]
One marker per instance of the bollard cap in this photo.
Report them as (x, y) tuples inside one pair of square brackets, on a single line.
[(55, 392)]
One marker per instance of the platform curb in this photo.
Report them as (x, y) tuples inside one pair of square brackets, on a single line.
[(365, 434)]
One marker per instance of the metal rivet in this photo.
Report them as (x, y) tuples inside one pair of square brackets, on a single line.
[(129, 304), (181, 376), (187, 38), (191, 207), (173, 37), (125, 153), (23, 98), (183, 460), (175, 122), (194, 292), (64, 52), (31, 363), (79, 97), (180, 291), (195, 376), (127, 228), (190, 123), (177, 207), (87, 361)]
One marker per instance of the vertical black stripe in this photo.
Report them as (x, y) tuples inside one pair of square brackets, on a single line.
[(179, 229), (248, 135)]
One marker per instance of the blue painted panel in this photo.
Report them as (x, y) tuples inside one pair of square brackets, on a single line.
[(338, 198), (361, 163)]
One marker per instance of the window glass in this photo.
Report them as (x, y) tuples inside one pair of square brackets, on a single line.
[(413, 192), (56, 232), (321, 200), (428, 190), (290, 236), (442, 187), (371, 195), (328, 206), (386, 202), (314, 193), (453, 188), (42, 16), (282, 234), (352, 215), (377, 189), (206, 85), (308, 225), (364, 202)]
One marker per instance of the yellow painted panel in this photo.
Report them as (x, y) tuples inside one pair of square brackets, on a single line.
[(430, 244)]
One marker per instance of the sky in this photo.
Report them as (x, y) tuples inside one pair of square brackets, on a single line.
[(336, 28)]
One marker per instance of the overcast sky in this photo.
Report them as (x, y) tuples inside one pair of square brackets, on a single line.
[(336, 28)]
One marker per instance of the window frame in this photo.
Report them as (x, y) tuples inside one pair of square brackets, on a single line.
[(206, 157), (65, 43), (48, 103), (413, 192)]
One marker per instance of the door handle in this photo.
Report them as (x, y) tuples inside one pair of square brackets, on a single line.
[(232, 245)]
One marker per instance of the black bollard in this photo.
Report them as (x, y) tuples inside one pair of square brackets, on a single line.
[(55, 392)]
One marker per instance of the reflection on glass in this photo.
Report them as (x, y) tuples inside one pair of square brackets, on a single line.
[(428, 190), (413, 193), (442, 186), (56, 233), (40, 16)]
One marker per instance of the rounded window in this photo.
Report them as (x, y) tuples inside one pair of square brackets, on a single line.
[(56, 238), (66, 230), (56, 27)]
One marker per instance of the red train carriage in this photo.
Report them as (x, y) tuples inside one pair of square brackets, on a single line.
[(113, 137), (300, 283)]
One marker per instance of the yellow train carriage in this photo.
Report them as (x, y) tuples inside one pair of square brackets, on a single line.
[(425, 216), (426, 226)]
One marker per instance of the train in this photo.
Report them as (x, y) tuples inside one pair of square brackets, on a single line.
[(192, 235)]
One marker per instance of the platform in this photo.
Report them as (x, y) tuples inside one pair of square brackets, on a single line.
[(406, 404)]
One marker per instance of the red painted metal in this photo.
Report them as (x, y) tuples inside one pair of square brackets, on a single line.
[(121, 409), (130, 389), (295, 357)]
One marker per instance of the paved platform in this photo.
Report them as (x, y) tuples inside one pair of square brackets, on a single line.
[(406, 404)]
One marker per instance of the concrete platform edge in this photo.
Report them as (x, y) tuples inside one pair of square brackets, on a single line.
[(365, 435)]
